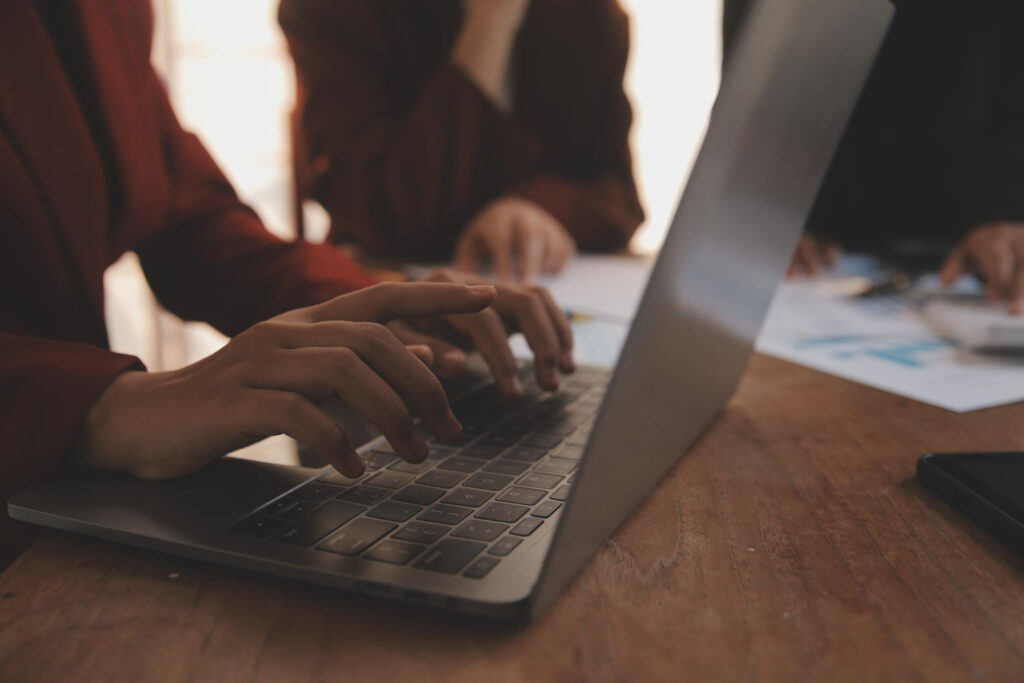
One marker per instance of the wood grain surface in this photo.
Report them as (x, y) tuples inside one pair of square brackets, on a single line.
[(791, 543)]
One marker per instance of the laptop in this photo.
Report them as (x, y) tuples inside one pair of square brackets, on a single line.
[(497, 523)]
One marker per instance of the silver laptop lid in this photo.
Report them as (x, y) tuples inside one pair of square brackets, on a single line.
[(790, 87)]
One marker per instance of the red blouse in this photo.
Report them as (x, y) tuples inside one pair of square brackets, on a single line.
[(205, 254)]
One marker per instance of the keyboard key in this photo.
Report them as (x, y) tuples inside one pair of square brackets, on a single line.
[(556, 466), (481, 452), (525, 454), (479, 530), (481, 568), (512, 467), (364, 495), (420, 532), (458, 464), (562, 493), (521, 495), (468, 497), (439, 452), (505, 546), (578, 439), (450, 555), (259, 526), (303, 508), (463, 439), (445, 514), (561, 427), (376, 460), (546, 509), (279, 506), (502, 512), (491, 482), (394, 552), (501, 440), (413, 468), (539, 481), (389, 480), (441, 479), (570, 452), (316, 491), (420, 495), (542, 440), (356, 537), (333, 476), (394, 511), (319, 523), (527, 526)]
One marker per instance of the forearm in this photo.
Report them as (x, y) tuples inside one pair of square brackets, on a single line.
[(483, 48)]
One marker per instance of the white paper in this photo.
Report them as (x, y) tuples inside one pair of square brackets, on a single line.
[(601, 285), (884, 343), (595, 342)]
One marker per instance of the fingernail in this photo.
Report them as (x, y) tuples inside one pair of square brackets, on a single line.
[(568, 362), (419, 447), (452, 426), (483, 290), (453, 361), (516, 386), (356, 467), (551, 379)]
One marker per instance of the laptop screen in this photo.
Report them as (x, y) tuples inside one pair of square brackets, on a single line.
[(790, 87)]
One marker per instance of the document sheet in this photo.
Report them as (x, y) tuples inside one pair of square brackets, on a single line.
[(885, 342)]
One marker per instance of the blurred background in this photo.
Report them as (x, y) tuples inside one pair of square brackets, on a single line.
[(231, 81)]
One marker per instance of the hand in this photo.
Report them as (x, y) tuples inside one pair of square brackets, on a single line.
[(994, 252), (529, 309), (268, 379), (519, 237), (812, 255)]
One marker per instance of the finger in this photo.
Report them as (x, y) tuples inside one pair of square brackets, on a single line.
[(1017, 290), (954, 267), (797, 264), (468, 253), (996, 265), (423, 352), (488, 334), (448, 360), (809, 256), (498, 242), (531, 248), (829, 253), (558, 255), (531, 316), (390, 300), (340, 371), (377, 347), (280, 412), (563, 329)]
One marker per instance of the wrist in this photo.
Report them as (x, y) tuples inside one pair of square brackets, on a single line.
[(106, 441)]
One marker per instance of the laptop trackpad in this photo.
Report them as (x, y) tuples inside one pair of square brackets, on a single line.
[(195, 506)]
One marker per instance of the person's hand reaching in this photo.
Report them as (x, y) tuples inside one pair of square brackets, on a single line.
[(519, 238)]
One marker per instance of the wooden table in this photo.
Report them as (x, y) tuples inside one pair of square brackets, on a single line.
[(791, 543)]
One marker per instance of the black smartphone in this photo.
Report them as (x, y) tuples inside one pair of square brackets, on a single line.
[(986, 487)]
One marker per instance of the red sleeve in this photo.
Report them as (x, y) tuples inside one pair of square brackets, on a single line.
[(46, 389), (215, 261), (395, 175)]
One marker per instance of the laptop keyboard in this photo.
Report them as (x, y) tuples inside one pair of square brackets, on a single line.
[(465, 508)]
